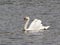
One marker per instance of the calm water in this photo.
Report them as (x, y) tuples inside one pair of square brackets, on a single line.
[(12, 13)]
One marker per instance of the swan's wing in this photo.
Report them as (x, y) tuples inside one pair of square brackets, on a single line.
[(35, 25)]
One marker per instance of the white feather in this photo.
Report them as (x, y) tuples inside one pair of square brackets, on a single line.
[(36, 25)]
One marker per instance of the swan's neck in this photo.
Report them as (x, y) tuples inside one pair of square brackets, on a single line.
[(26, 24)]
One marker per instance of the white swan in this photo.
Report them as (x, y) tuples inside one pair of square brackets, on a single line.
[(35, 26)]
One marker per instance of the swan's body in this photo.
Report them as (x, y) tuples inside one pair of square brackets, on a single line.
[(35, 26)]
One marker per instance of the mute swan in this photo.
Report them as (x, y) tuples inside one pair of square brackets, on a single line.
[(35, 26)]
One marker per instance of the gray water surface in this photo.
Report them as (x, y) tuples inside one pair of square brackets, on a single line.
[(12, 13)]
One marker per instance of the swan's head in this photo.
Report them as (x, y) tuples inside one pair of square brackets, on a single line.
[(26, 18)]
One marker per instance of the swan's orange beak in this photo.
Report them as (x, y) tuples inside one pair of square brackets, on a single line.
[(25, 19)]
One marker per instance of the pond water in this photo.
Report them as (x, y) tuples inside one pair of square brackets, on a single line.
[(12, 13)]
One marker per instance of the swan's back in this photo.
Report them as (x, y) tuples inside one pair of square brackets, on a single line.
[(35, 25)]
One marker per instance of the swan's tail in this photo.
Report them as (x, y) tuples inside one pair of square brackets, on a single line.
[(46, 27)]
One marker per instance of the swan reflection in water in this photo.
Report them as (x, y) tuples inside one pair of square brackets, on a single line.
[(35, 26)]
